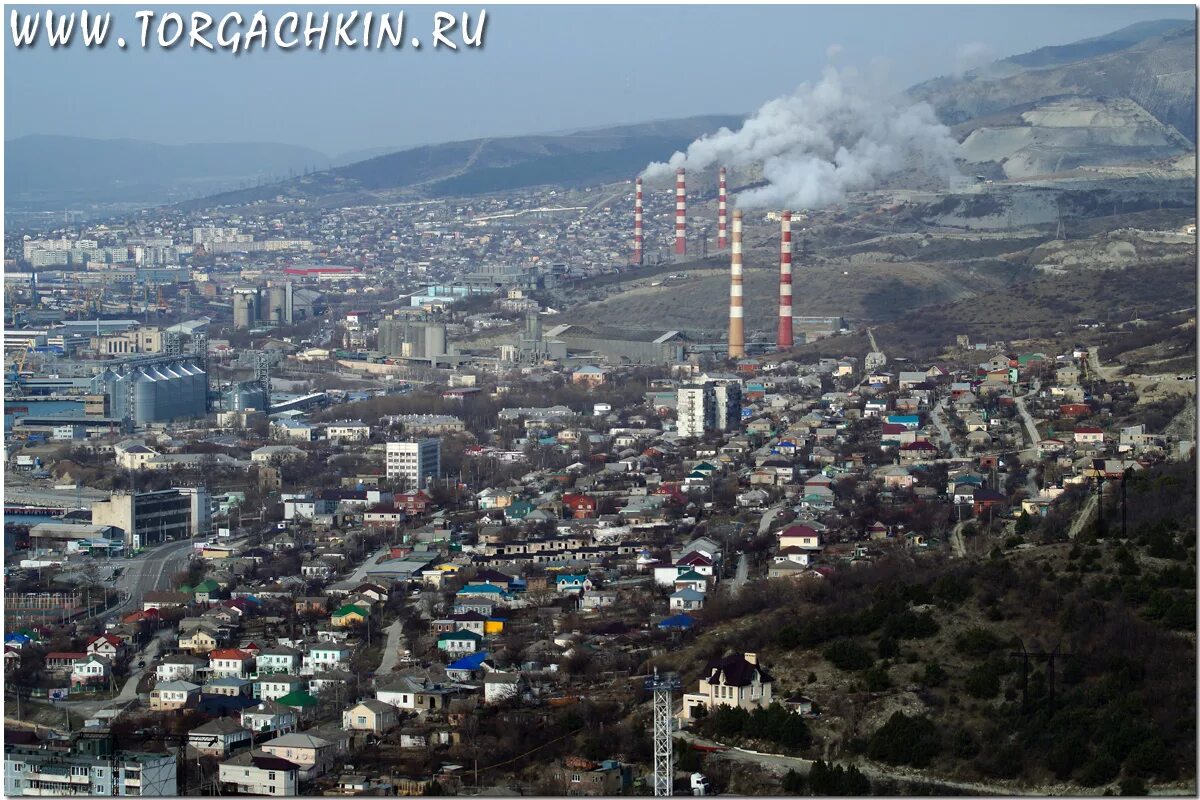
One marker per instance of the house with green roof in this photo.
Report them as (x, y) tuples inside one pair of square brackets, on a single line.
[(348, 615), (460, 642), (300, 700)]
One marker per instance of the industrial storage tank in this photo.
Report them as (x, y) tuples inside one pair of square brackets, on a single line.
[(144, 396), (198, 389), (276, 310), (245, 308)]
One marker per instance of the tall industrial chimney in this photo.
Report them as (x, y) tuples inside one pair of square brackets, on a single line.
[(637, 223), (722, 238), (680, 213), (737, 335), (784, 341)]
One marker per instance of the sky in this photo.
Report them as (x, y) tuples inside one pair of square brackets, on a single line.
[(541, 69)]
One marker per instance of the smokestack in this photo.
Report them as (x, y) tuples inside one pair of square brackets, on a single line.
[(680, 213), (784, 340), (737, 338), (637, 223), (722, 239)]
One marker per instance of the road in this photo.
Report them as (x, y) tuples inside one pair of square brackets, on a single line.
[(1030, 426), (943, 431), (742, 575), (391, 648), (128, 693), (781, 764), (150, 571), (768, 518), (871, 336), (957, 543), (1083, 518)]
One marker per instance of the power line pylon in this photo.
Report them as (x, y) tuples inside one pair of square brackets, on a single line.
[(664, 753)]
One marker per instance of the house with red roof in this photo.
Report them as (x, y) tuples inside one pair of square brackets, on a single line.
[(230, 663), (917, 452), (802, 536), (581, 506), (106, 645), (1089, 436)]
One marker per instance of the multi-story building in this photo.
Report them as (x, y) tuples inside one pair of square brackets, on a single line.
[(147, 518), (414, 464), (695, 410), (707, 407), (85, 766)]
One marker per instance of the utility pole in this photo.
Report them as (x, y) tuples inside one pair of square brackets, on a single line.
[(664, 753)]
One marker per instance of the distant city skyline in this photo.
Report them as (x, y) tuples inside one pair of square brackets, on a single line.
[(542, 69)]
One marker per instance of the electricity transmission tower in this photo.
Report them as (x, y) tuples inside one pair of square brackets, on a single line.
[(664, 754)]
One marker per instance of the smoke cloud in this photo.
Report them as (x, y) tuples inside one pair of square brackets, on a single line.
[(822, 141)]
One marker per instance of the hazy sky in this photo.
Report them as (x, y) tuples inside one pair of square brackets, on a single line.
[(543, 68)]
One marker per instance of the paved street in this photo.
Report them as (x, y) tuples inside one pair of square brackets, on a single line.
[(150, 571)]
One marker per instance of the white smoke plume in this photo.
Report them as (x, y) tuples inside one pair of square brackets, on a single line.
[(822, 141)]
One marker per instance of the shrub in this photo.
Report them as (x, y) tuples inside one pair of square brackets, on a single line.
[(905, 740), (877, 679), (848, 655), (977, 642), (933, 675), (1100, 770), (982, 682)]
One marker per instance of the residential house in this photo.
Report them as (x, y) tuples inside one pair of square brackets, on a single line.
[(270, 716), (178, 667), (230, 663), (311, 753), (174, 695), (374, 716), (91, 671), (458, 642), (686, 599), (736, 680), (501, 686), (257, 773), (219, 737)]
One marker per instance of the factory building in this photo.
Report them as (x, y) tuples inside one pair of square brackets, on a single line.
[(496, 279), (708, 407), (162, 389), (412, 465), (274, 305), (148, 518), (408, 337), (622, 346), (145, 340)]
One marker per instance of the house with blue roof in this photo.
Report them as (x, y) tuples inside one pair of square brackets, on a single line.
[(687, 599), (467, 668), (910, 421), (483, 590), (572, 583), (679, 622)]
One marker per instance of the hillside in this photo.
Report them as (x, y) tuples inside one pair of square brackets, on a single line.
[(50, 172), (909, 659), (495, 164), (1153, 65)]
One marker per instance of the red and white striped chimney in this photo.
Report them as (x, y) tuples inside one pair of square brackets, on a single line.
[(680, 213), (637, 223), (722, 239), (784, 340), (737, 333)]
